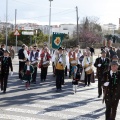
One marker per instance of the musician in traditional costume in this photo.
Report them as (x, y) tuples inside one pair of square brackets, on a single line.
[(44, 63), (44, 46), (87, 64), (67, 58), (72, 60), (111, 80), (34, 57), (75, 79), (27, 74), (6, 64), (53, 60), (102, 65), (79, 61), (23, 56), (60, 63)]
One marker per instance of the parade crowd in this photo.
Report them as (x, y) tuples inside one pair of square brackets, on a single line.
[(72, 62)]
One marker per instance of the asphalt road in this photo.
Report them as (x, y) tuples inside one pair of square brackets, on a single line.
[(41, 102)]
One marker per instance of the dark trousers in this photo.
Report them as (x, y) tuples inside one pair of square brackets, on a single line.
[(21, 67), (63, 78), (59, 78), (34, 74), (66, 70), (70, 71), (87, 79), (43, 73), (99, 86), (4, 81), (111, 110), (53, 65)]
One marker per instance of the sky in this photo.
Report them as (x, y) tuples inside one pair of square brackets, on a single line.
[(62, 11)]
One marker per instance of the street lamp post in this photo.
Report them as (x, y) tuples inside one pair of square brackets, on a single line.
[(6, 21), (50, 22)]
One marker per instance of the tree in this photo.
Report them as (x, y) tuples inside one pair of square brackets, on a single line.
[(90, 31), (26, 39)]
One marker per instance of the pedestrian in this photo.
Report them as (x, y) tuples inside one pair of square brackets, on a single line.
[(23, 56), (115, 58), (87, 64), (44, 63), (60, 63), (111, 82), (12, 52), (72, 60), (6, 64), (102, 65), (34, 58), (118, 52), (75, 79), (27, 74), (92, 50), (2, 49)]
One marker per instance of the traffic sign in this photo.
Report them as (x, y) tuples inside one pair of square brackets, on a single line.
[(16, 33), (27, 33)]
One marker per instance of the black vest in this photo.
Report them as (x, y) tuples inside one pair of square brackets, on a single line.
[(21, 54)]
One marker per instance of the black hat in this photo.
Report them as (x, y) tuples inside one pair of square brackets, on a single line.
[(103, 51), (115, 57), (114, 63), (60, 48), (6, 51)]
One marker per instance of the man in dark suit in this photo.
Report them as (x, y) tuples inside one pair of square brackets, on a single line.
[(111, 80), (6, 63), (102, 64), (2, 50), (23, 56)]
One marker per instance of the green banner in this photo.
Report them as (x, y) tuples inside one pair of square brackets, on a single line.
[(57, 40)]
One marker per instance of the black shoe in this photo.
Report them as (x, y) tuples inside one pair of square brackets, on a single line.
[(99, 96), (85, 85), (58, 90)]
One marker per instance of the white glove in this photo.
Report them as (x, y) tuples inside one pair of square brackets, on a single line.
[(11, 73), (106, 84), (99, 65)]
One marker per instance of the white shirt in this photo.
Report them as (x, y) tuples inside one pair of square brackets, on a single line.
[(103, 58), (28, 67), (60, 58), (87, 61), (111, 72), (67, 61), (44, 58), (25, 53)]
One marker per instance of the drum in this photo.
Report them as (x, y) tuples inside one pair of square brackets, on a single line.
[(73, 63), (46, 63), (89, 70), (59, 66), (34, 63)]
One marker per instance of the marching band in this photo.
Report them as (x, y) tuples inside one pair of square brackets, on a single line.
[(80, 66)]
